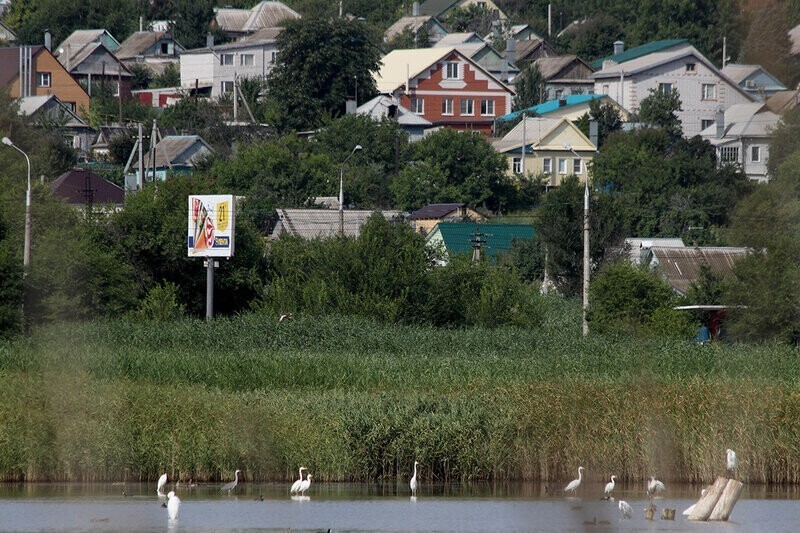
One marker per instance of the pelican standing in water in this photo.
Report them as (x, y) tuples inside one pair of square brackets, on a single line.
[(296, 484), (173, 505), (625, 509), (161, 482), (413, 483), (575, 483), (228, 487), (609, 487)]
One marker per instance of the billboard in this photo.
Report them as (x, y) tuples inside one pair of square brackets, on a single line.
[(211, 225)]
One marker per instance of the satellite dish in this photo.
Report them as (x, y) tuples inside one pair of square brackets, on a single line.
[(60, 50)]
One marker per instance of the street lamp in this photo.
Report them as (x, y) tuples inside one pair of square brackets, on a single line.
[(586, 270), (341, 190), (26, 258)]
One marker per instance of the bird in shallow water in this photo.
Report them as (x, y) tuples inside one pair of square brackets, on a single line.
[(161, 482), (296, 484), (413, 483), (610, 487), (228, 487), (655, 486), (625, 510), (575, 483), (730, 457), (173, 505)]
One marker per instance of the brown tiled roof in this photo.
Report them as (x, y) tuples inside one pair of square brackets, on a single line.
[(78, 185)]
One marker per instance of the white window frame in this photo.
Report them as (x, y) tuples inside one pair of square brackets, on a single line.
[(516, 164), (448, 67), (708, 91), (562, 165), (755, 150), (226, 59), (41, 77), (662, 87), (547, 165), (247, 60), (577, 166), (417, 105), (467, 107), (729, 154), (226, 83), (487, 107), (706, 123), (447, 107)]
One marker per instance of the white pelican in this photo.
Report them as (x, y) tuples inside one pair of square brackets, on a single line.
[(575, 483), (296, 484)]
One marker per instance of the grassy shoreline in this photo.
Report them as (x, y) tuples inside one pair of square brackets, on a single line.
[(355, 400)]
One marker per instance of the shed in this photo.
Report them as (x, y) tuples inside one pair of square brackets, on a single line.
[(461, 237), (81, 187)]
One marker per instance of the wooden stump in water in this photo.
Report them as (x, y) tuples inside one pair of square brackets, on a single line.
[(650, 511), (667, 514), (718, 502)]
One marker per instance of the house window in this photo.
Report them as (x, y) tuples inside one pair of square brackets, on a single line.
[(447, 106), (451, 70), (709, 91), (576, 166), (605, 88), (729, 154), (226, 87), (487, 107), (43, 79), (559, 94), (165, 48), (755, 154), (691, 67), (417, 105), (562, 165), (665, 88), (70, 106), (467, 106), (273, 56), (226, 59), (547, 166), (516, 165), (706, 123), (246, 60)]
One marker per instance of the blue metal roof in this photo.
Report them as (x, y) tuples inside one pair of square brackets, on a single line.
[(553, 105)]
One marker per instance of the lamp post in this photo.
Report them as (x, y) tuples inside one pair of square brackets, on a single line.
[(341, 190), (586, 270), (26, 258)]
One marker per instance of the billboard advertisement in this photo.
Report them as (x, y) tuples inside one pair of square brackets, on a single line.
[(211, 225)]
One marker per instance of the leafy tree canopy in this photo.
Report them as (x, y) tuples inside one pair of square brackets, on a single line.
[(659, 110)]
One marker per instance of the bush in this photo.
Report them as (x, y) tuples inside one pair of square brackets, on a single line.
[(161, 304)]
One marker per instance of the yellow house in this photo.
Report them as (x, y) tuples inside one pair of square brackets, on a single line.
[(551, 147)]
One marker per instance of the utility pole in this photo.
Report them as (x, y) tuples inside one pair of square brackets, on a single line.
[(210, 264), (478, 240), (586, 264)]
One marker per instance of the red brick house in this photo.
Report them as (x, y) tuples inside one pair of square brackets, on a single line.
[(445, 87)]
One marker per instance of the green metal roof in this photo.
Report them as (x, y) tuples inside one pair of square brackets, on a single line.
[(458, 236), (638, 51)]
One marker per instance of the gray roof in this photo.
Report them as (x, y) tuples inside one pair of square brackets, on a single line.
[(139, 42), (378, 108), (313, 223), (30, 105), (435, 7), (80, 38), (435, 211), (551, 66), (264, 34), (262, 15), (680, 267), (180, 150), (738, 72), (637, 247), (455, 39), (744, 120), (410, 22)]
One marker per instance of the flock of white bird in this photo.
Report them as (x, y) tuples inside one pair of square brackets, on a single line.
[(654, 486), (300, 487)]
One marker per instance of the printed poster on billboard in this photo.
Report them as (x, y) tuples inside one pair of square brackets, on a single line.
[(211, 225)]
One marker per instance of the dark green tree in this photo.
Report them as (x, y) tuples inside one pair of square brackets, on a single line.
[(592, 39), (768, 44), (659, 110), (607, 117), (142, 76), (530, 87), (320, 62), (170, 77), (473, 17), (785, 140)]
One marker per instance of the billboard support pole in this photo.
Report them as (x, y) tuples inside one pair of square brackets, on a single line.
[(210, 288)]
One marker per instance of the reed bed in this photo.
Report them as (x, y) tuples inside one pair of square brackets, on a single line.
[(355, 400)]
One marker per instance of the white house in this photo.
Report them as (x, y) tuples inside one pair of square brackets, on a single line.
[(669, 65), (741, 135), (216, 67)]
